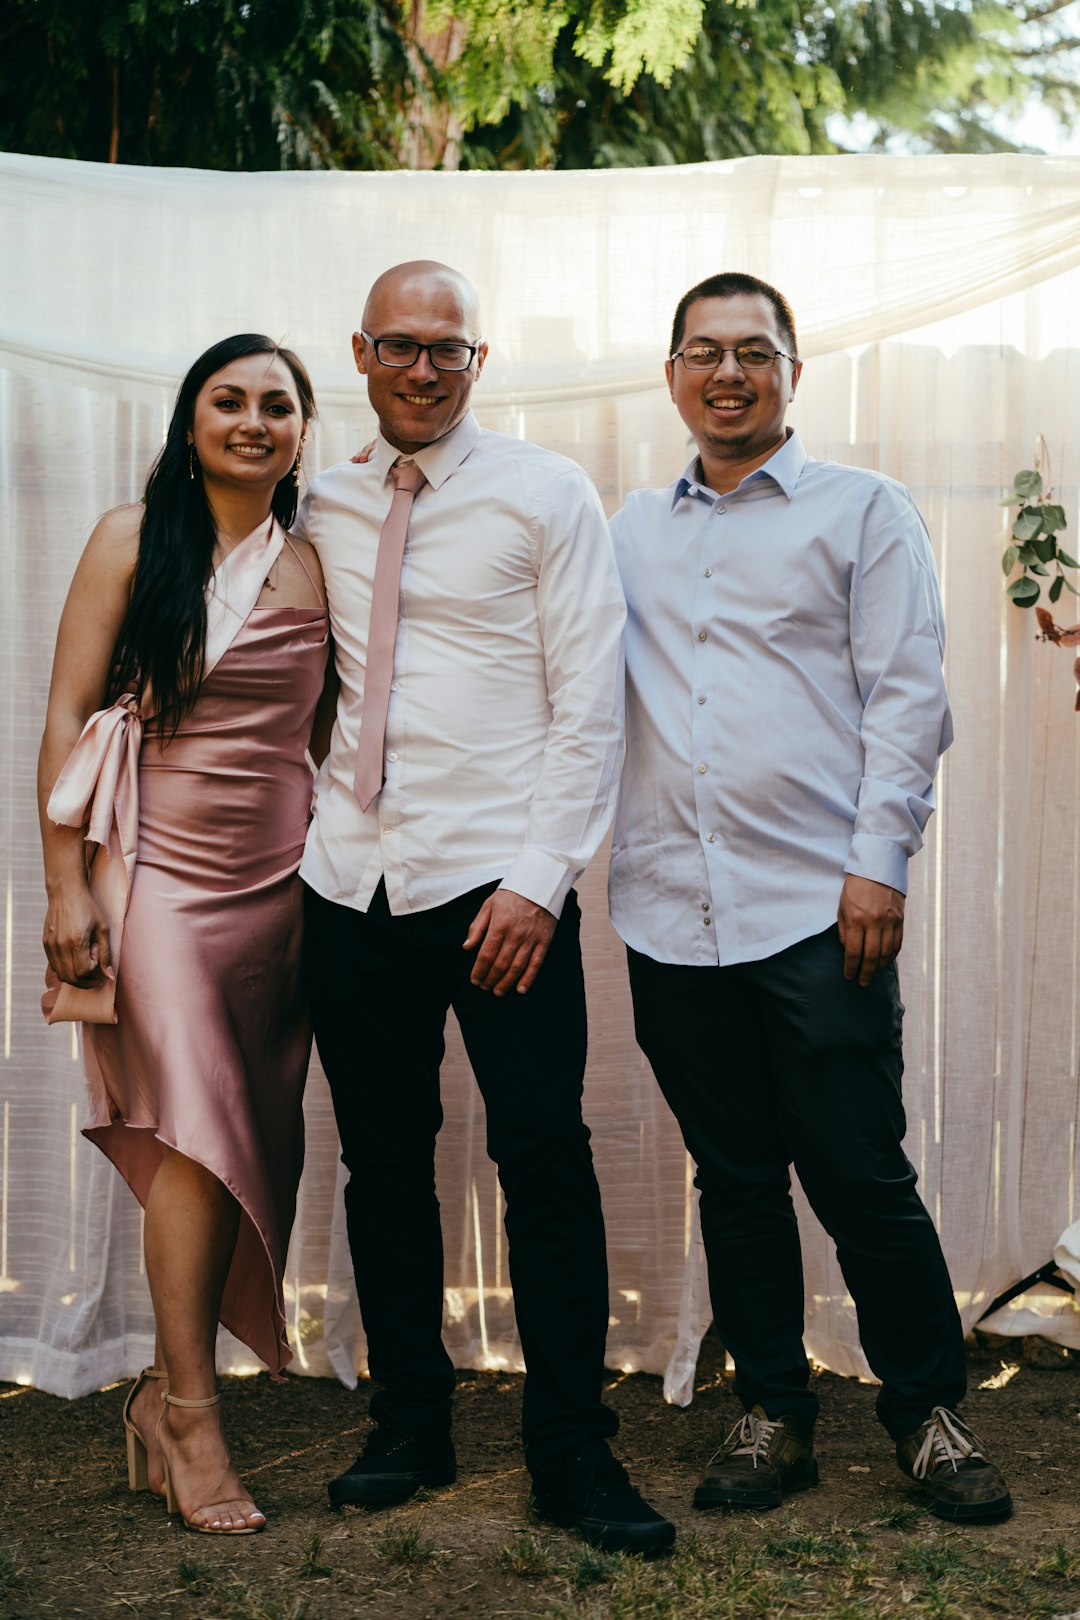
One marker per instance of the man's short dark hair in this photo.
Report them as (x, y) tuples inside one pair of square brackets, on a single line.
[(733, 284)]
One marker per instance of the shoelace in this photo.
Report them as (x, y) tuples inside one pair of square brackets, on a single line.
[(947, 1440), (753, 1436)]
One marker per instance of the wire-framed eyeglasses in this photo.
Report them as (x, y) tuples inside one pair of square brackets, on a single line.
[(750, 356), (401, 352)]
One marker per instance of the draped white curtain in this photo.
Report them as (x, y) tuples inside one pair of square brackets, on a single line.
[(938, 306)]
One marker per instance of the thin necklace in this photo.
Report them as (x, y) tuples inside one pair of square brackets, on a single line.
[(271, 579)]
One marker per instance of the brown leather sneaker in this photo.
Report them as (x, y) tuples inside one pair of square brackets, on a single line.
[(947, 1460), (761, 1461)]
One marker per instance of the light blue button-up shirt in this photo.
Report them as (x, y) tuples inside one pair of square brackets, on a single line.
[(786, 708)]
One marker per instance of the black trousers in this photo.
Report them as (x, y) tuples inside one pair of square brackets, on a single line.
[(380, 988), (780, 1062)]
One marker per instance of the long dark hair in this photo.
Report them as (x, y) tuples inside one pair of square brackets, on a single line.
[(162, 641)]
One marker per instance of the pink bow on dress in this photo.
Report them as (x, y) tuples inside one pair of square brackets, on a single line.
[(100, 781), (101, 777)]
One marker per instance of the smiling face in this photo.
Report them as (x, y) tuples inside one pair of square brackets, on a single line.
[(247, 424), (735, 416), (418, 404)]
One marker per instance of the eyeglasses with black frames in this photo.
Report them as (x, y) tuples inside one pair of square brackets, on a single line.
[(402, 352), (750, 356)]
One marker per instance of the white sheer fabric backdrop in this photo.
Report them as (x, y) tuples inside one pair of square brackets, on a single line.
[(113, 279)]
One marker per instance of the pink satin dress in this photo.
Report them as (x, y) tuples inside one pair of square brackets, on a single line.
[(210, 1050)]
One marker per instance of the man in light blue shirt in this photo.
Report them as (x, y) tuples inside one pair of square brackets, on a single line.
[(785, 715)]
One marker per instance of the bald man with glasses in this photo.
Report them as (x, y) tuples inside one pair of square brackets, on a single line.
[(477, 619)]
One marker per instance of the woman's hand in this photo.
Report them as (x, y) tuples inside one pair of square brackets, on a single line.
[(76, 937)]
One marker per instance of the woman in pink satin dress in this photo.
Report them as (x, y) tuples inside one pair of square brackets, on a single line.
[(201, 628)]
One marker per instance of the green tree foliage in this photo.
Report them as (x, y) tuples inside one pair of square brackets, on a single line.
[(204, 83), (767, 76), (254, 84)]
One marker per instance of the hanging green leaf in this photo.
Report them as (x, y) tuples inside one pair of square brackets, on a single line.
[(1028, 483), (1024, 592), (1070, 562), (1054, 518), (1008, 559), (1028, 524), (1057, 587), (1045, 549)]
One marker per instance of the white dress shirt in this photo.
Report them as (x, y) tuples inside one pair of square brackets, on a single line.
[(505, 725), (785, 704)]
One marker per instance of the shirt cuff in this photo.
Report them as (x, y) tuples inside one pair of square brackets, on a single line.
[(880, 859), (541, 878)]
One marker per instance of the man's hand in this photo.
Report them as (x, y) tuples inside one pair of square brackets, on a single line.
[(871, 922), (516, 934), (365, 454)]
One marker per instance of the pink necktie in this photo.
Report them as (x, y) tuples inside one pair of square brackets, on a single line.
[(382, 632)]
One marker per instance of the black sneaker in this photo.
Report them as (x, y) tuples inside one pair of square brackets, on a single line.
[(762, 1460), (394, 1465), (592, 1493), (946, 1459)]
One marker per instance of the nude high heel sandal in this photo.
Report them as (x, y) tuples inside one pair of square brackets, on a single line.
[(170, 1497), (136, 1445)]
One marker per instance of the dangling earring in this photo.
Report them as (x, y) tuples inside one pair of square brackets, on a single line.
[(191, 462), (296, 468)]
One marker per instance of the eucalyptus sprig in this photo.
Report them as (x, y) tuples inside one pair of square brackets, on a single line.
[(1034, 543)]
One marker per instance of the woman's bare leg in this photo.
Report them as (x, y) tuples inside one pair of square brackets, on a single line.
[(190, 1234)]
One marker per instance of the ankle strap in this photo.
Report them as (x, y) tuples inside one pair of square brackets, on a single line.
[(153, 1372), (175, 1400)]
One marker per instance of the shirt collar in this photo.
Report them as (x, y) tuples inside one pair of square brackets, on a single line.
[(436, 461), (784, 467)]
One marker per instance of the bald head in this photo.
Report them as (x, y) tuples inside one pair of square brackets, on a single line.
[(417, 281), (417, 314)]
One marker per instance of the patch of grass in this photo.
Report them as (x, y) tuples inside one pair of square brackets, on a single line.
[(594, 1567), (196, 1571), (12, 1575), (793, 1573), (952, 1577), (813, 1549), (527, 1557), (310, 1553), (937, 1559), (899, 1516), (229, 1599), (1062, 1563), (405, 1544)]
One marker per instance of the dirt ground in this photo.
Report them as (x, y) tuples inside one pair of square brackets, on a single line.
[(74, 1542)]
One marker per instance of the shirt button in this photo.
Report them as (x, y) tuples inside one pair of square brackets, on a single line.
[(710, 838), (707, 921), (394, 686), (392, 758), (702, 769), (701, 635), (721, 508), (701, 700), (705, 906), (708, 573)]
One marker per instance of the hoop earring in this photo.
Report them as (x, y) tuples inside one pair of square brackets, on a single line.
[(191, 462)]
